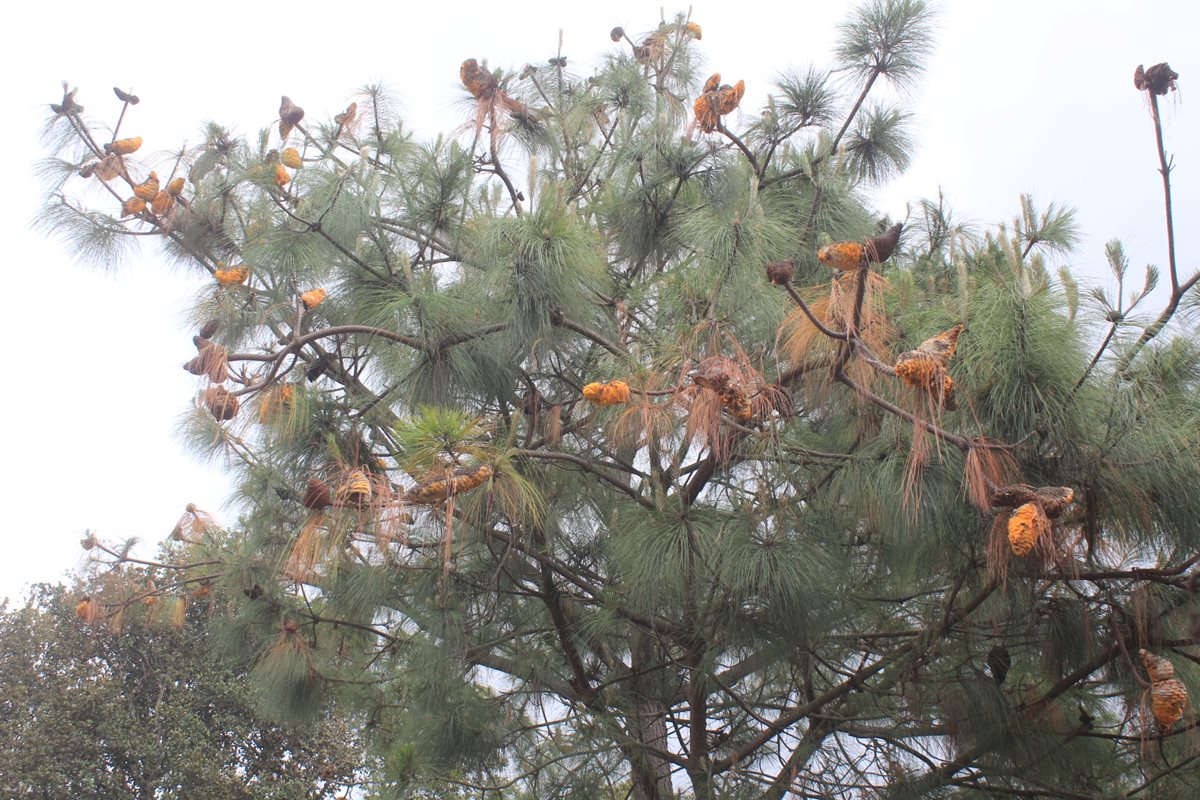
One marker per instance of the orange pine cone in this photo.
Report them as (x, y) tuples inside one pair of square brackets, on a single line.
[(281, 176), (706, 112), (163, 203), (693, 30), (737, 403), (123, 147), (148, 188), (917, 369), (1168, 701), (1025, 527), (1157, 667), (232, 276), (312, 298), (842, 256), (712, 83), (175, 187), (132, 206), (730, 97), (291, 158), (608, 393), (479, 82)]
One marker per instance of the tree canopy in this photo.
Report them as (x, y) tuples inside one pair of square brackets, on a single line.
[(100, 712), (598, 449)]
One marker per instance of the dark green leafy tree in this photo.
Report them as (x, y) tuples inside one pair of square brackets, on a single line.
[(584, 476), (97, 712)]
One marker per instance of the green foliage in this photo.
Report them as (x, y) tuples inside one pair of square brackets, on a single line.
[(146, 710)]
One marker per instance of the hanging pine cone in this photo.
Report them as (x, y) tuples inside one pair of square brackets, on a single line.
[(133, 206), (848, 256), (1157, 667), (148, 188), (608, 393), (925, 367), (162, 203), (1159, 79), (479, 82), (1168, 701), (291, 158), (290, 115), (878, 249), (1025, 526), (842, 256), (123, 147), (231, 276), (175, 187), (356, 491), (780, 273), (220, 403), (312, 298), (317, 495), (438, 487)]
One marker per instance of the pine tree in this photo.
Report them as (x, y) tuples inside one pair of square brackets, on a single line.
[(599, 450)]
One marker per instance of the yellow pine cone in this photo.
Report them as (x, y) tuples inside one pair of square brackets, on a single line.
[(175, 187), (1168, 701), (842, 256), (1157, 667), (281, 176), (232, 276), (148, 188), (609, 393), (356, 490), (1025, 526), (132, 206), (313, 298), (438, 487), (163, 202), (124, 147), (291, 158), (693, 30)]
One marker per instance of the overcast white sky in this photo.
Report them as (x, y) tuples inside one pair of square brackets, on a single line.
[(1021, 96)]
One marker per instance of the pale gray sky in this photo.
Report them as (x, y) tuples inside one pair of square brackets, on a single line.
[(1021, 96)]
